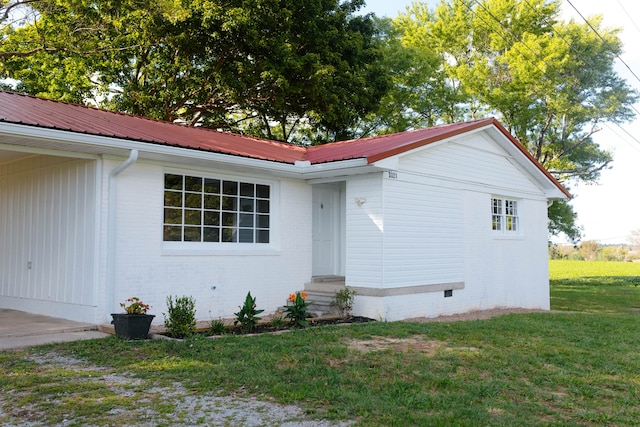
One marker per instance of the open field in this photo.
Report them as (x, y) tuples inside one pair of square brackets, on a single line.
[(575, 368), (595, 286)]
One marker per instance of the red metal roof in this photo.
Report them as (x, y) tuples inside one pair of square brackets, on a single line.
[(27, 110), (380, 147), (32, 111)]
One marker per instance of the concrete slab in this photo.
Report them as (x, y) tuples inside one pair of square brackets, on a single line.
[(19, 329)]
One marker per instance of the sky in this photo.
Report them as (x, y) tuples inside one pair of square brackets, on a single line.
[(609, 210)]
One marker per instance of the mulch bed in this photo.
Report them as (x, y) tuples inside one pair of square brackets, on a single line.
[(268, 328)]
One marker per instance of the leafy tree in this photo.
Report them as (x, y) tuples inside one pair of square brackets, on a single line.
[(272, 68), (552, 83), (589, 250)]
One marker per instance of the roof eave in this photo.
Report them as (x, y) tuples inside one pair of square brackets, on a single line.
[(73, 142)]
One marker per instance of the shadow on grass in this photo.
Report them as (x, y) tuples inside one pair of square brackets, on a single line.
[(597, 294)]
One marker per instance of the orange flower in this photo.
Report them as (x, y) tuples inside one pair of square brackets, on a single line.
[(292, 297), (303, 294)]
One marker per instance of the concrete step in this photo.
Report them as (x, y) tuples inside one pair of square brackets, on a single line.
[(322, 303), (330, 284)]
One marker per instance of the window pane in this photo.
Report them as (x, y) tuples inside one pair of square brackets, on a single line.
[(246, 220), (211, 202), (193, 183), (172, 234), (246, 205), (211, 218), (192, 234), (230, 187), (212, 186), (497, 223), (262, 191), (245, 236), (211, 234), (229, 235), (192, 217), (263, 206), (496, 206), (263, 221), (229, 218), (246, 189), (192, 200), (172, 216), (200, 209), (173, 182), (262, 236), (172, 198), (229, 203)]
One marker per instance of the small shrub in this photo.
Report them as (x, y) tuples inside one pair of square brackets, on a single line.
[(344, 301), (217, 327), (297, 312), (248, 315), (181, 321), (278, 321)]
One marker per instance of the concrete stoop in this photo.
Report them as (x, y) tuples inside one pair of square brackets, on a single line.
[(321, 294)]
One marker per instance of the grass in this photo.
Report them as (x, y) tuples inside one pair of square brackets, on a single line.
[(595, 286), (580, 367)]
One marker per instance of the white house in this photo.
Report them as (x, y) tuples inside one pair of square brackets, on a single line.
[(97, 207)]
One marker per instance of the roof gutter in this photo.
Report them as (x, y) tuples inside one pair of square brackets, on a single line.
[(111, 227)]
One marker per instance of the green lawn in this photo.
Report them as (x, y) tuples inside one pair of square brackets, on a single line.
[(576, 368), (595, 286)]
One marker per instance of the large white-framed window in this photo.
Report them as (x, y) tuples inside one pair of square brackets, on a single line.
[(504, 215), (215, 210)]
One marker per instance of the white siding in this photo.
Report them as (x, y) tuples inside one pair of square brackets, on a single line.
[(475, 160), (47, 233), (146, 270), (423, 237), (364, 230), (437, 231)]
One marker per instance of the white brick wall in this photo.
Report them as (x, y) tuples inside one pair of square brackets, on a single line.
[(146, 270)]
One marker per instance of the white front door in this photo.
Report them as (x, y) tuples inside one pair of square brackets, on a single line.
[(328, 246)]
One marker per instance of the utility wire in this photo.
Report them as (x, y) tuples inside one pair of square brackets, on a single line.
[(629, 16), (602, 38), (569, 44)]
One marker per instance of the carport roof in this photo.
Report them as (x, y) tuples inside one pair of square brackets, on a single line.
[(31, 111)]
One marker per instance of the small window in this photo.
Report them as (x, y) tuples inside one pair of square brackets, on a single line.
[(504, 215), (199, 209)]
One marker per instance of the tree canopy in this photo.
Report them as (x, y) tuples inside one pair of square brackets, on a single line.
[(271, 68), (551, 83)]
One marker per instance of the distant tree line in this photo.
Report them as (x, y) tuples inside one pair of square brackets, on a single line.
[(591, 250)]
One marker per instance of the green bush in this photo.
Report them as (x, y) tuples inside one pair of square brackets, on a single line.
[(344, 301), (181, 321), (248, 315), (217, 327)]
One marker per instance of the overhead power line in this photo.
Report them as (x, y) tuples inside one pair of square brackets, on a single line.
[(602, 38)]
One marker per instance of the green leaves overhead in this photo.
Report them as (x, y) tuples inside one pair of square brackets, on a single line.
[(271, 68)]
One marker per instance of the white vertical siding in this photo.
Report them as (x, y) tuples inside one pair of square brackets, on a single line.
[(365, 230), (47, 222)]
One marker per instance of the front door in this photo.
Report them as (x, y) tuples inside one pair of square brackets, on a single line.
[(328, 226)]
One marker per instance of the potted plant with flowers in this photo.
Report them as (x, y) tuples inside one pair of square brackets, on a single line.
[(134, 324)]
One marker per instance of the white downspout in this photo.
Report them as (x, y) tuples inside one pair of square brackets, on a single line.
[(111, 230)]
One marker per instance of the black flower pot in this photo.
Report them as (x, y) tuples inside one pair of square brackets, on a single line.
[(132, 326)]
